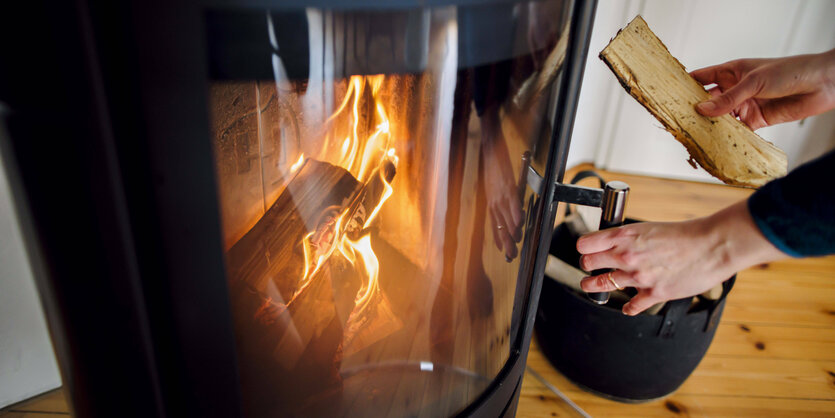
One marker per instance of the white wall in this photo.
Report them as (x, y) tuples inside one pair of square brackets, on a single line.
[(614, 132), (27, 362)]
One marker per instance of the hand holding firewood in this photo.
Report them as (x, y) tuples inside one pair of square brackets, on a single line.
[(764, 92)]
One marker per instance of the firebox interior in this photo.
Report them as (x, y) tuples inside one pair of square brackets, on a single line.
[(372, 179)]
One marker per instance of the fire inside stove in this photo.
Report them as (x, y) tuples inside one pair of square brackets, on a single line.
[(342, 231), (304, 224), (373, 222)]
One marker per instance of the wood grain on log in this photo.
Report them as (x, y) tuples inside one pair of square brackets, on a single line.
[(272, 249), (723, 145)]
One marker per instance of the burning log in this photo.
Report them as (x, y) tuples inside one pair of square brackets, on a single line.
[(272, 250), (372, 318), (265, 268), (369, 325), (302, 250)]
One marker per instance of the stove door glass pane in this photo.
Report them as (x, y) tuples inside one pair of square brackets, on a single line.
[(372, 176)]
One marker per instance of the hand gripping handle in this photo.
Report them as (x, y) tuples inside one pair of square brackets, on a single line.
[(615, 194)]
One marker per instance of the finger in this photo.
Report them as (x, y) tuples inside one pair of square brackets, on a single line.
[(726, 74), (715, 91), (516, 214), (705, 75), (496, 231), (609, 259), (751, 114), (508, 244), (726, 102), (597, 241), (710, 75), (601, 282), (513, 220), (640, 302), (520, 228), (513, 251)]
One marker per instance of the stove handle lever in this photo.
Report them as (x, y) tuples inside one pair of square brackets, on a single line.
[(611, 200)]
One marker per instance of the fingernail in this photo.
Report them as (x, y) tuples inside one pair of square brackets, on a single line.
[(706, 106)]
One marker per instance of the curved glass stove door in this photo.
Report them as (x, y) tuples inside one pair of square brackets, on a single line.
[(371, 170)]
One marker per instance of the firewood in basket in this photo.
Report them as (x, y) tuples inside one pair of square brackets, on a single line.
[(725, 147)]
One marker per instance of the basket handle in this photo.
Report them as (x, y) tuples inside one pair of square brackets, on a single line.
[(677, 309), (712, 311), (675, 312)]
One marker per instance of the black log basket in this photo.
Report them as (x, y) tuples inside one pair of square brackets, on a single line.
[(629, 359)]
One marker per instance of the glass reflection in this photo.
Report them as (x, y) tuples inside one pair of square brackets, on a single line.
[(371, 179)]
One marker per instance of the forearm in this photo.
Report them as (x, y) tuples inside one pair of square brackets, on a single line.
[(796, 213), (739, 242)]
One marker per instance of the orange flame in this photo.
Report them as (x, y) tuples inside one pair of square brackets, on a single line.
[(386, 194), (372, 269), (360, 156), (297, 164)]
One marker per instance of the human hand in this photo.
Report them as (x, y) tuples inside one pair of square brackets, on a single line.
[(763, 92), (501, 189), (674, 260)]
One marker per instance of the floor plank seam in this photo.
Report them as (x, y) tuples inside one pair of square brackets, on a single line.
[(775, 324), (716, 395), (752, 357)]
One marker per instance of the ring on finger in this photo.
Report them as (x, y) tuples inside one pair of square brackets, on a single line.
[(500, 227), (612, 280)]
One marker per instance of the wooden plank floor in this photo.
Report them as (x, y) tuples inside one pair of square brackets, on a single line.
[(52, 404), (774, 350), (773, 354)]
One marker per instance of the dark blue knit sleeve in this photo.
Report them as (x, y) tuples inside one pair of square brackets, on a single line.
[(796, 213)]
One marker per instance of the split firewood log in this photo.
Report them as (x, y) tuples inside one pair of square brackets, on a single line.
[(725, 147)]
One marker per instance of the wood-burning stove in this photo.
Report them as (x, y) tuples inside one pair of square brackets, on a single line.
[(300, 208)]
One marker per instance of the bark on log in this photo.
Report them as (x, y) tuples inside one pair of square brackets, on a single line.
[(723, 146)]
